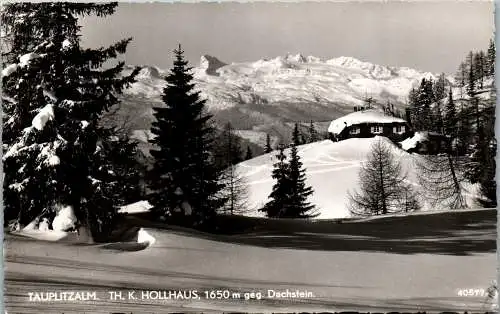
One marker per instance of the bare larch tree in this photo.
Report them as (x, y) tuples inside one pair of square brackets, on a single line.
[(382, 185)]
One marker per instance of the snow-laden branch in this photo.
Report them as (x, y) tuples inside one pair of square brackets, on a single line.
[(46, 114), (26, 59), (9, 69)]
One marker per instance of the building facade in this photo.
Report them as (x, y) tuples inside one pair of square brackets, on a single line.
[(369, 123)]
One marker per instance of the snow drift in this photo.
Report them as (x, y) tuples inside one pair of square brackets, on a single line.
[(65, 219), (144, 237)]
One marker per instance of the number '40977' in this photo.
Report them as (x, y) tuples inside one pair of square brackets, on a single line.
[(471, 292)]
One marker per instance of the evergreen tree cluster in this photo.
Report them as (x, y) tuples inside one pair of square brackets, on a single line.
[(53, 95), (478, 66), (425, 105), (59, 149), (476, 118), (290, 193), (468, 124)]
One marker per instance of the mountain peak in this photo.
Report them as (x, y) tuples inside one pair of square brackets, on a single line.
[(210, 64), (148, 73)]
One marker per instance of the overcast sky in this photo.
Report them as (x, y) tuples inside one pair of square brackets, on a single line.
[(429, 36)]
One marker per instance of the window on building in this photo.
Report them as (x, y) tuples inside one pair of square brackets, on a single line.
[(354, 130), (399, 129), (376, 129)]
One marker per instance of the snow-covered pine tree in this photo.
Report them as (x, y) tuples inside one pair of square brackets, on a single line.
[(54, 92), (382, 187), (281, 188), (184, 180), (123, 156), (297, 205), (268, 148), (115, 176), (119, 159)]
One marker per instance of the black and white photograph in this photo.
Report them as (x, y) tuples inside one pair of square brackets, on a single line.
[(249, 157)]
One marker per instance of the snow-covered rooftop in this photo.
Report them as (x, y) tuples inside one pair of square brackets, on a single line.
[(365, 116)]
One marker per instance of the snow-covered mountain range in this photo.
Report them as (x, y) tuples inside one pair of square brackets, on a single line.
[(268, 95)]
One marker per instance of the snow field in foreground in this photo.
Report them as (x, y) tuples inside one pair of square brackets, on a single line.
[(339, 280)]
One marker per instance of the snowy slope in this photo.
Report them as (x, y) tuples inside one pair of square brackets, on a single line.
[(331, 169), (264, 95)]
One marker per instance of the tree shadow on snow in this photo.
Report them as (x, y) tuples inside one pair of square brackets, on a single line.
[(451, 233)]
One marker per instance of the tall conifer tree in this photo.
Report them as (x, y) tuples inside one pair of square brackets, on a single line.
[(290, 193), (185, 180), (54, 93), (276, 207), (297, 206)]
